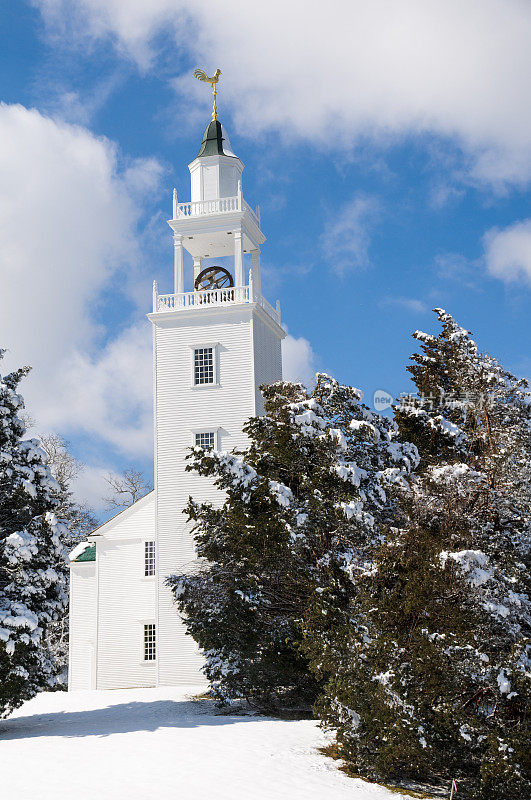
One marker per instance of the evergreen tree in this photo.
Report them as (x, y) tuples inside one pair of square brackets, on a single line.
[(433, 667), (277, 558), (32, 583)]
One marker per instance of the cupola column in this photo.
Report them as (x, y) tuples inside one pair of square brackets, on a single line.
[(257, 285), (198, 264), (238, 258), (178, 269)]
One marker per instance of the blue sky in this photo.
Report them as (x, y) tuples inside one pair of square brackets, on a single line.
[(387, 144)]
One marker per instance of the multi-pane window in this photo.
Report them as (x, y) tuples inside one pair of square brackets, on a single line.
[(149, 559), (150, 644), (203, 365), (206, 440)]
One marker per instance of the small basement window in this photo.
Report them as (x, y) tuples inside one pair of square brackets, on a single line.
[(203, 365), (149, 559), (206, 440), (150, 644)]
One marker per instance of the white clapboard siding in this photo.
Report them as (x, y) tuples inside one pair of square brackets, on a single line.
[(83, 604), (137, 519), (126, 598), (267, 357)]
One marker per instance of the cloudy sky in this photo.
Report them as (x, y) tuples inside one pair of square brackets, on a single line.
[(388, 145)]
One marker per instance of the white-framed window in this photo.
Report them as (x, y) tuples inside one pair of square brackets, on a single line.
[(205, 439), (150, 642), (149, 559), (204, 363), (204, 366)]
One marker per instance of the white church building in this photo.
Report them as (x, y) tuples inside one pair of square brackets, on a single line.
[(215, 341)]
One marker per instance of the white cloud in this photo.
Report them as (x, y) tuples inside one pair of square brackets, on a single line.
[(456, 268), (90, 487), (508, 251), (349, 71), (109, 395), (68, 220), (409, 303), (347, 235), (298, 360), (70, 105)]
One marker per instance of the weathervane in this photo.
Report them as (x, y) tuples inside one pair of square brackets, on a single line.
[(201, 75)]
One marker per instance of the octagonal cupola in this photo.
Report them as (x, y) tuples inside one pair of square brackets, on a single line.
[(216, 171)]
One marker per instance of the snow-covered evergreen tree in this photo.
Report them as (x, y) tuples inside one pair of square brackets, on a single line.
[(32, 583), (433, 671), (302, 511)]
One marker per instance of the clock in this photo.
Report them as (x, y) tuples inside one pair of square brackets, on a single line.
[(213, 278)]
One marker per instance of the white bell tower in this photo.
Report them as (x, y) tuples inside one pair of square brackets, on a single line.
[(216, 340)]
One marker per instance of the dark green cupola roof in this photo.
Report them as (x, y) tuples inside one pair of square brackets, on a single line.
[(212, 144), (88, 554)]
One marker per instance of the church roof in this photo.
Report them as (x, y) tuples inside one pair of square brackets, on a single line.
[(215, 141), (124, 512), (88, 554)]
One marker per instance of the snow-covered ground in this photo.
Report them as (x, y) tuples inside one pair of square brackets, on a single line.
[(145, 743)]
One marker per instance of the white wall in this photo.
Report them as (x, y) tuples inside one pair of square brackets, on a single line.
[(82, 660), (267, 357), (213, 177), (127, 599)]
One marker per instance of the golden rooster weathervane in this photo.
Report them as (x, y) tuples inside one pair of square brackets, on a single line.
[(201, 75)]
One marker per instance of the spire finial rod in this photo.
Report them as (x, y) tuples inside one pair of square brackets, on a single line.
[(201, 75)]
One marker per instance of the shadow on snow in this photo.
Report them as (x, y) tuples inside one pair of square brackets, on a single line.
[(122, 718)]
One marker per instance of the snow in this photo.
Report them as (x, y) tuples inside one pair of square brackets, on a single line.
[(472, 562), (350, 472), (503, 682), (20, 546), (339, 437), (354, 510), (463, 730), (440, 423), (364, 427), (144, 743), (309, 422), (78, 549), (283, 494), (383, 677)]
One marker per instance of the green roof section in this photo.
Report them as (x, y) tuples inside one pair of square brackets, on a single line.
[(212, 144), (89, 554)]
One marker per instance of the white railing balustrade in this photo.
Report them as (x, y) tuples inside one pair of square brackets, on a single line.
[(201, 207), (222, 205), (273, 312), (214, 297), (250, 211)]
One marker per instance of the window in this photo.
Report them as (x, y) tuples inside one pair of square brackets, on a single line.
[(206, 440), (203, 365), (150, 645), (149, 559)]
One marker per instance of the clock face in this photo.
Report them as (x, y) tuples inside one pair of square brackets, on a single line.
[(213, 278)]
